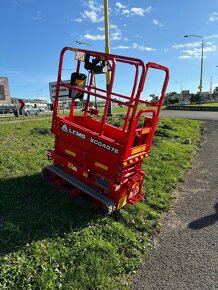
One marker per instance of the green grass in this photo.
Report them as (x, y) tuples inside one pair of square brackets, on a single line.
[(206, 105), (51, 241), (210, 105)]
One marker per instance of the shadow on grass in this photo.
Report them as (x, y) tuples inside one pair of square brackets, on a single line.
[(31, 210)]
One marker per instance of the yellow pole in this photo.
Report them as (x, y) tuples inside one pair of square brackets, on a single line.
[(107, 49)]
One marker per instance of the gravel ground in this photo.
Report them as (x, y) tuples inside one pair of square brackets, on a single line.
[(186, 250)]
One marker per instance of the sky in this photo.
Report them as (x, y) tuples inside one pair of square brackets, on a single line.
[(33, 32)]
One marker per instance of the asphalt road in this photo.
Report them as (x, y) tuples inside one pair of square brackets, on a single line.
[(197, 115), (186, 250)]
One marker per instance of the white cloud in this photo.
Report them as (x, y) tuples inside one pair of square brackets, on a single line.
[(213, 17), (120, 5), (156, 22), (210, 48), (113, 26), (116, 35), (148, 10), (193, 49), (94, 37), (211, 36), (135, 46), (94, 13), (94, 5), (187, 45), (185, 56), (124, 10), (142, 47), (92, 16), (79, 20), (137, 11), (38, 16), (121, 47), (196, 52), (116, 32)]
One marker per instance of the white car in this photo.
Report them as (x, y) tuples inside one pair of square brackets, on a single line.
[(30, 110)]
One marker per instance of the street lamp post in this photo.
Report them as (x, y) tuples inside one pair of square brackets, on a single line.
[(181, 90), (82, 42), (202, 57), (107, 50)]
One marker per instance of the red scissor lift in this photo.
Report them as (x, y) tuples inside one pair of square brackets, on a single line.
[(90, 155)]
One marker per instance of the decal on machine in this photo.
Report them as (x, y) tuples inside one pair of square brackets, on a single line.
[(65, 129), (105, 146)]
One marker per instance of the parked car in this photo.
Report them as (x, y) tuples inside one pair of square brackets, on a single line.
[(28, 110), (183, 103), (42, 109), (31, 110)]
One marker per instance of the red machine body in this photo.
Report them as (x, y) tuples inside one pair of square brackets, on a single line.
[(91, 155)]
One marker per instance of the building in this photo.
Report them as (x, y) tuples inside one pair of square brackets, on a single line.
[(5, 98), (186, 96), (215, 94)]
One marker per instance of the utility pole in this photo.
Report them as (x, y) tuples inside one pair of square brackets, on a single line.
[(107, 50)]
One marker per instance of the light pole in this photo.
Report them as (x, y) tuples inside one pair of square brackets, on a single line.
[(181, 90), (202, 57), (107, 50), (82, 42)]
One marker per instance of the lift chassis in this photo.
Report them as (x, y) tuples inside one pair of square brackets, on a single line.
[(90, 155)]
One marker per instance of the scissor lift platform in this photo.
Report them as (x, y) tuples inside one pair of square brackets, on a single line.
[(90, 155)]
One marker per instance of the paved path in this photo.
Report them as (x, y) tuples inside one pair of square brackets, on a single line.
[(197, 115), (186, 252)]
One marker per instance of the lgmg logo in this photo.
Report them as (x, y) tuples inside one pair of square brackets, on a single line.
[(65, 129)]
